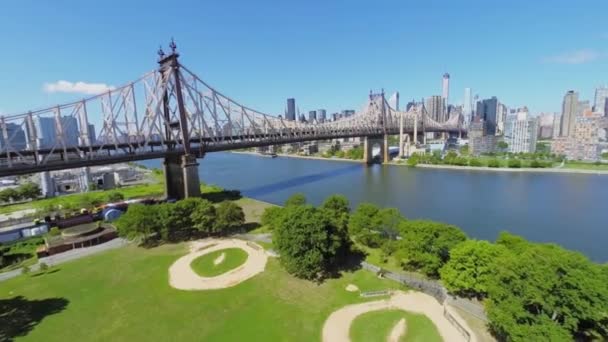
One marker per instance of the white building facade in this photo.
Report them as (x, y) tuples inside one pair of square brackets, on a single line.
[(521, 132)]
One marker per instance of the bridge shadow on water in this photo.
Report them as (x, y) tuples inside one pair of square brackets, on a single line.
[(19, 315), (298, 181)]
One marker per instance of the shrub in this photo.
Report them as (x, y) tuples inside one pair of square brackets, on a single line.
[(44, 267), (475, 162), (25, 270), (514, 163), (493, 163), (115, 196), (54, 231)]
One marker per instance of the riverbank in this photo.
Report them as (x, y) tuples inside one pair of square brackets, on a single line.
[(301, 157), (504, 169)]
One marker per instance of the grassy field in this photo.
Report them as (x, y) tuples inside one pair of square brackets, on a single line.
[(377, 325), (205, 264), (586, 166), (124, 295)]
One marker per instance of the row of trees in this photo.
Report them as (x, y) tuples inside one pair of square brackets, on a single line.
[(183, 220), (451, 158), (531, 291), (22, 192), (354, 153)]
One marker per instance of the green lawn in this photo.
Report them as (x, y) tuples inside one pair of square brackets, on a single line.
[(585, 166), (205, 264), (377, 325), (124, 295)]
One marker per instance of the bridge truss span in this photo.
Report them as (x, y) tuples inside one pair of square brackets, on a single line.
[(171, 111)]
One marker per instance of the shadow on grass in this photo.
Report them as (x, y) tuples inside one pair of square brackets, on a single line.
[(51, 271), (349, 263), (221, 196), (19, 315)]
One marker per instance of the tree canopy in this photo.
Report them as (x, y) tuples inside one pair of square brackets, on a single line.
[(308, 242), (425, 245), (295, 200)]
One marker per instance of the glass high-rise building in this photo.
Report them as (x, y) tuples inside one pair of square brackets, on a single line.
[(312, 115), (569, 109), (467, 107), (291, 110), (599, 103), (321, 115), (487, 110)]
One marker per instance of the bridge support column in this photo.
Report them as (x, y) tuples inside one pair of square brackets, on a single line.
[(385, 152), (181, 177)]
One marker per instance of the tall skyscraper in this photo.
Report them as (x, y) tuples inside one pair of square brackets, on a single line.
[(486, 110), (521, 131), (569, 108), (321, 115), (599, 103), (467, 108), (291, 110), (501, 117), (312, 115), (434, 107), (445, 94), (445, 88)]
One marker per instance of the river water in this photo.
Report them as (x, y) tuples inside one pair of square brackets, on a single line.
[(567, 209)]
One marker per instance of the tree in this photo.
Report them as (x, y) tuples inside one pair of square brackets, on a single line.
[(271, 217), (470, 268), (545, 289), (44, 267), (363, 218), (309, 245), (229, 217), (5, 196), (139, 221), (387, 221), (464, 150), (296, 199), (11, 194), (502, 145), (115, 196), (203, 217), (425, 245), (29, 190), (338, 209)]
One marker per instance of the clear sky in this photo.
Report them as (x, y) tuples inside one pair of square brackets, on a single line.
[(326, 54)]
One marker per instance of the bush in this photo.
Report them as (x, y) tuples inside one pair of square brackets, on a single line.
[(54, 231), (25, 270), (475, 162), (514, 163), (115, 196), (229, 217), (536, 164), (271, 217), (44, 267), (296, 200), (493, 163)]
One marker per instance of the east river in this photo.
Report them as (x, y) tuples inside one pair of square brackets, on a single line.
[(567, 209)]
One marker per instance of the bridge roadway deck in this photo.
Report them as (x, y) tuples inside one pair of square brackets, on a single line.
[(24, 162)]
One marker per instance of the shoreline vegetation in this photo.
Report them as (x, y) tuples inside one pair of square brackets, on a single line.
[(568, 167)]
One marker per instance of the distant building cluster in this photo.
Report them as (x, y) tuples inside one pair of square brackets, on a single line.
[(46, 133)]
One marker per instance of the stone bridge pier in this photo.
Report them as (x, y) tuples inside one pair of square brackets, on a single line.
[(368, 146), (181, 177)]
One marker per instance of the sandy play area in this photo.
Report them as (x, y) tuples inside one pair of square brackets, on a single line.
[(181, 275), (337, 325)]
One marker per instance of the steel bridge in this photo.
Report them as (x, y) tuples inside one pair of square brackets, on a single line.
[(171, 113)]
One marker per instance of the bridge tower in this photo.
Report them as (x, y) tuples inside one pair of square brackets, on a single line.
[(180, 167)]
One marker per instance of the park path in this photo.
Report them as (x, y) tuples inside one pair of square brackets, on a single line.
[(337, 325)]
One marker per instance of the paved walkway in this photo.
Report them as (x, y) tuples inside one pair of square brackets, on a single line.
[(68, 256)]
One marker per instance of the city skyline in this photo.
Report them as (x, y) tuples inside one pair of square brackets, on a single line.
[(80, 62)]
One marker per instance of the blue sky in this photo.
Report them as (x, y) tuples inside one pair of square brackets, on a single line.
[(326, 54)]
